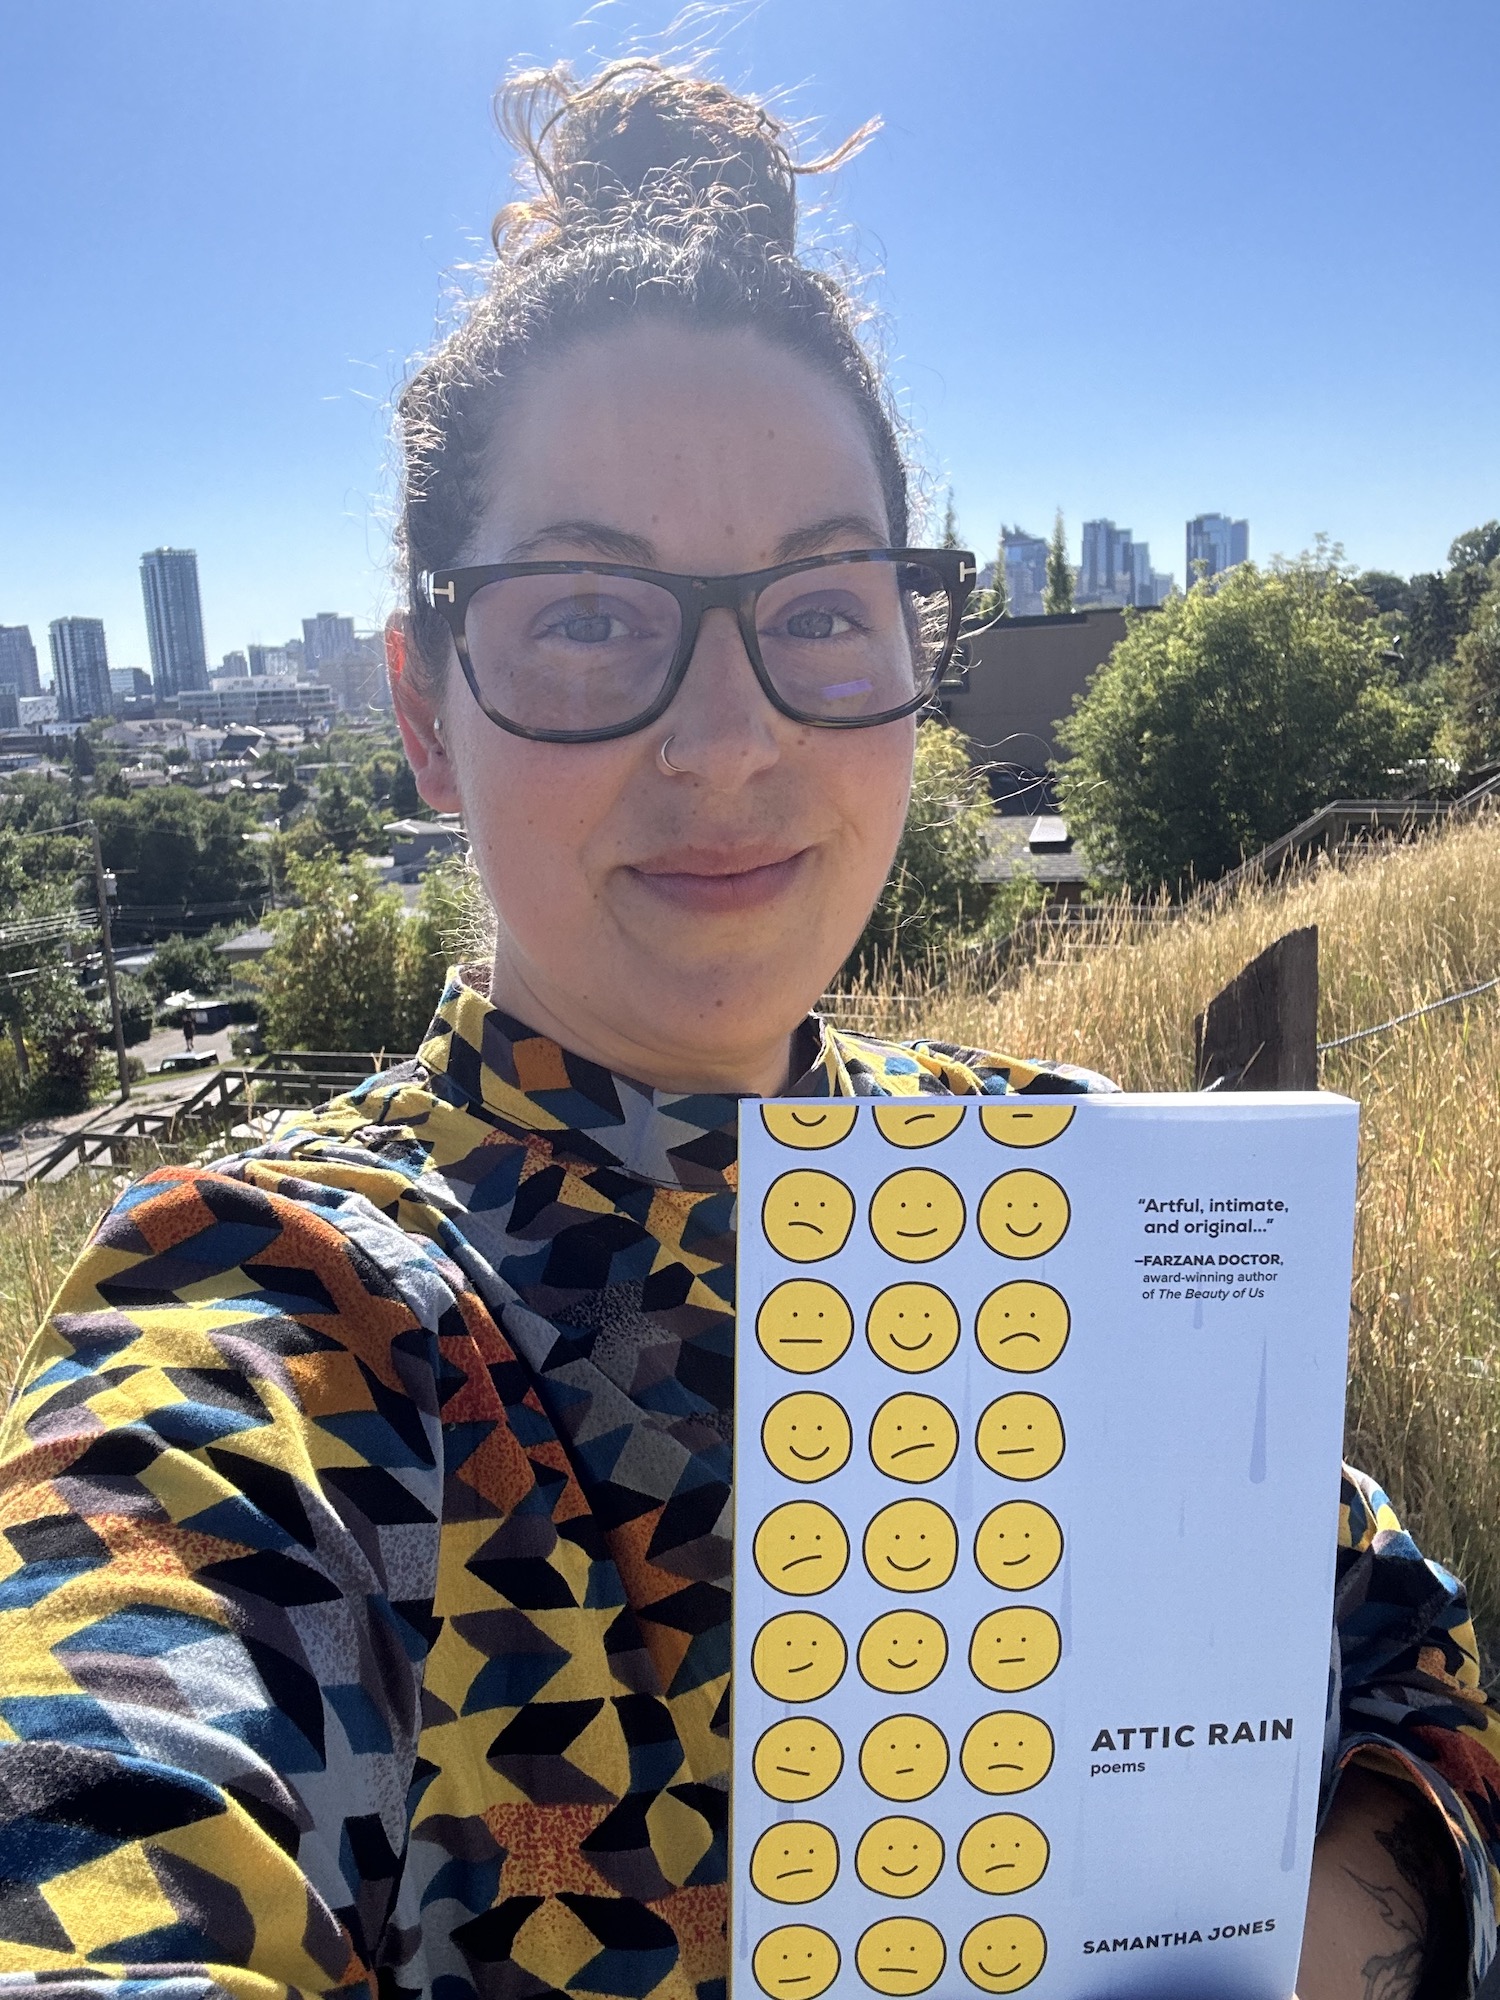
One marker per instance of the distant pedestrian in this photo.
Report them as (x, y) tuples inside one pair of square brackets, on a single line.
[(188, 1030)]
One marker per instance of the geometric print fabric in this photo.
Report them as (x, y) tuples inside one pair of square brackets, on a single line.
[(364, 1553)]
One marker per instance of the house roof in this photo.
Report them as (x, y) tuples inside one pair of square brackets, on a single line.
[(1037, 845)]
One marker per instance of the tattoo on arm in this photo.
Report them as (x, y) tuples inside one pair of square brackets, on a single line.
[(1415, 1910)]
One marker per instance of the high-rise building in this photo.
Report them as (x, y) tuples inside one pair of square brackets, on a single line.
[(325, 638), (174, 620), (1214, 544), (18, 660), (80, 668), (1025, 573), (233, 667), (1117, 569), (129, 684)]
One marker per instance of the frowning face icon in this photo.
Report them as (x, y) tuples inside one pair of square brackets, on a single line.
[(807, 1215)]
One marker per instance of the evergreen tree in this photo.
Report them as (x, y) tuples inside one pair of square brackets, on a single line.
[(950, 525), (1059, 598), (999, 595)]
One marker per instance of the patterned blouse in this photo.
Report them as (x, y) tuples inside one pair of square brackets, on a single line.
[(364, 1558)]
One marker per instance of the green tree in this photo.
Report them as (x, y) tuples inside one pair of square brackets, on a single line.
[(451, 923), (931, 894), (344, 820), (1474, 689), (1059, 598), (137, 1015), (1224, 718), (332, 978), (65, 1034), (999, 595), (171, 847), (185, 965), (950, 525), (406, 800)]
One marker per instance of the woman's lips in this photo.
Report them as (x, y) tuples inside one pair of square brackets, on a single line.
[(712, 890)]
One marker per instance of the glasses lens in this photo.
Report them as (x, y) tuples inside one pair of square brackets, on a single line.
[(571, 652), (853, 641)]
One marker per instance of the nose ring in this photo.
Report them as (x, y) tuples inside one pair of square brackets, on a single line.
[(672, 770)]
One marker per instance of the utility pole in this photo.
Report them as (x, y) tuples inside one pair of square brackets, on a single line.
[(102, 887)]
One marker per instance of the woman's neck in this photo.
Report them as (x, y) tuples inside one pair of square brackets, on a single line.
[(761, 1070)]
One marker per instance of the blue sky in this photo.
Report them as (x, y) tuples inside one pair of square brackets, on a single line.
[(1140, 258)]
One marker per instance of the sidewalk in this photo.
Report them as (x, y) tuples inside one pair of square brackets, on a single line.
[(29, 1142)]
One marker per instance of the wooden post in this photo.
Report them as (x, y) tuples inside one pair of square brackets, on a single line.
[(1261, 1032)]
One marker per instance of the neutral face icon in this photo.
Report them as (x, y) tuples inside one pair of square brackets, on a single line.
[(1025, 1121), (1023, 1214), (918, 1122), (899, 1856), (903, 1652), (1002, 1854), (795, 1862), (901, 1955), (1023, 1326), (1015, 1649), (1020, 1436), (913, 1438), (809, 1126), (804, 1325), (1018, 1545), (904, 1757), (1003, 1954), (799, 1656), (797, 1759), (1007, 1752), (801, 1548), (807, 1215), (911, 1545), (912, 1327), (916, 1215), (795, 1962), (806, 1436)]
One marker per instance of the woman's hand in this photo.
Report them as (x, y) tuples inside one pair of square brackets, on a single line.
[(1383, 1913)]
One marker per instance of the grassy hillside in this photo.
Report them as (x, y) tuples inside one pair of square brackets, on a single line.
[(1399, 927)]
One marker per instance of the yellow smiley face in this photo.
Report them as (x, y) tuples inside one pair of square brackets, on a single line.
[(795, 1962), (903, 1652), (1018, 1545), (1003, 1954), (919, 1122), (804, 1326), (899, 1856), (795, 1862), (1015, 1649), (913, 1438), (801, 1548), (1020, 1436), (799, 1656), (797, 1759), (901, 1955), (904, 1757), (1003, 1854), (806, 1436), (1007, 1752), (810, 1125), (911, 1545), (807, 1215), (1023, 1214), (1025, 1121), (917, 1215), (1023, 1326), (912, 1327)]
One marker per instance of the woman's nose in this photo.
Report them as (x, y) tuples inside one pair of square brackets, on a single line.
[(721, 722)]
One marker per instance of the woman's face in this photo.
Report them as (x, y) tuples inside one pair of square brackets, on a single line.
[(675, 926)]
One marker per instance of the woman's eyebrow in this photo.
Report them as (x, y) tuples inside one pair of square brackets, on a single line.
[(612, 544), (815, 538)]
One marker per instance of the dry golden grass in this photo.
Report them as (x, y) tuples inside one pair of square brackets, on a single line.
[(1397, 927)]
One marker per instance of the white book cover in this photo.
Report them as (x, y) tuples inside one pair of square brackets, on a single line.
[(1037, 1440)]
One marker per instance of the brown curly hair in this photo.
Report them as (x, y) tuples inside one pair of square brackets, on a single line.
[(647, 193)]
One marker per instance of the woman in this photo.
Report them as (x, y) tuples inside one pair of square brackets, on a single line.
[(366, 1609)]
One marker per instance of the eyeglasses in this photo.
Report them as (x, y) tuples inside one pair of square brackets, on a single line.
[(578, 652)]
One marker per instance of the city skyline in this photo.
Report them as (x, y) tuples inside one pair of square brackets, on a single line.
[(1261, 352)]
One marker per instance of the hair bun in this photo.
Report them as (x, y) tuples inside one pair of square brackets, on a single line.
[(643, 143)]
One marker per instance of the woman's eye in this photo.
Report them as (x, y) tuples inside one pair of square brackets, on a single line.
[(818, 621), (588, 628)]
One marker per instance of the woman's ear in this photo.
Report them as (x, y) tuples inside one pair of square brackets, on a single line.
[(418, 720)]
